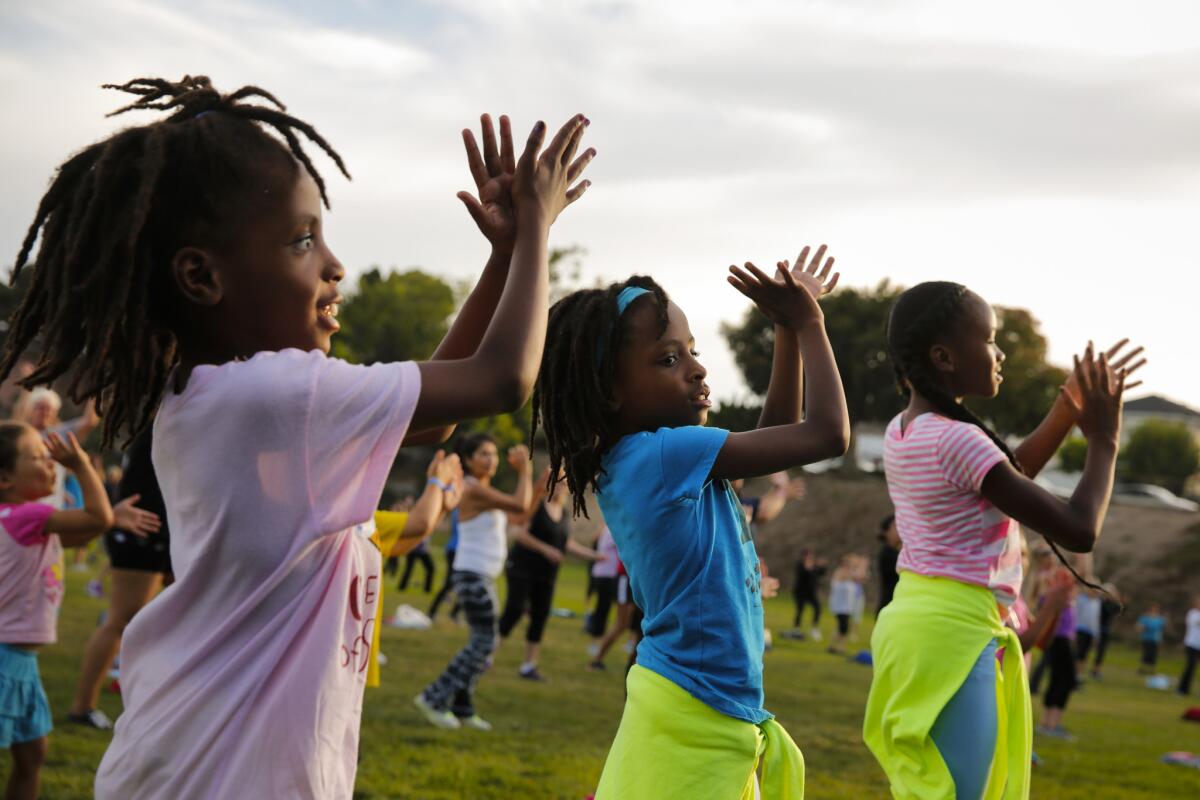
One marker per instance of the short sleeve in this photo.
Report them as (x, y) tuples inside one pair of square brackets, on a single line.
[(356, 421), (966, 455), (688, 455), (26, 523)]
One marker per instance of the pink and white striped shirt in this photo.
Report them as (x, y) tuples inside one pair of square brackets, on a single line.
[(934, 472)]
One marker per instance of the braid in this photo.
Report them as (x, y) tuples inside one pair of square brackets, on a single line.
[(918, 318), (113, 217), (573, 394)]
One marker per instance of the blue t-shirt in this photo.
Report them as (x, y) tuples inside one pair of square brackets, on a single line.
[(1152, 628), (692, 567)]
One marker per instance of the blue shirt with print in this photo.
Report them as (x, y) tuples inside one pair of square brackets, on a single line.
[(692, 567)]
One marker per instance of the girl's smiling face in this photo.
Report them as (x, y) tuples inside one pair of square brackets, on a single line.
[(273, 283), (659, 380), (967, 357), (32, 474)]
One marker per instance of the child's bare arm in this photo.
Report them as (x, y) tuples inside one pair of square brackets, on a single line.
[(791, 302), (499, 375), (79, 526)]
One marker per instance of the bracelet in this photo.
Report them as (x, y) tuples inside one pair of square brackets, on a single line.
[(445, 487)]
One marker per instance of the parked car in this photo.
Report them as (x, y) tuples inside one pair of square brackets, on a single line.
[(1145, 494)]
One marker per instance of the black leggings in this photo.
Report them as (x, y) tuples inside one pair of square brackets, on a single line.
[(1101, 646), (447, 587), (1061, 658), (527, 592), (1149, 654), (426, 561), (1185, 680), (606, 592), (1083, 645), (805, 599)]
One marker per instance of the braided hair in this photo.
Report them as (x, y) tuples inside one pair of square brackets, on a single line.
[(919, 317), (100, 304), (572, 399)]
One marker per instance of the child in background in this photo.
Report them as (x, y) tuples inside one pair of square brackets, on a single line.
[(623, 398), (1150, 625), (1087, 627), (844, 589), (31, 583), (944, 719), (184, 278), (1191, 646), (1060, 657), (806, 591)]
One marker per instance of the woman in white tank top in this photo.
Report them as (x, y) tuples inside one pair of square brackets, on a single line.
[(448, 702)]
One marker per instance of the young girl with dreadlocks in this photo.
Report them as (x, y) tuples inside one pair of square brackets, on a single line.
[(942, 719), (623, 399), (187, 259)]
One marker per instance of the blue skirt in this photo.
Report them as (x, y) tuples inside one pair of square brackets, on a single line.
[(24, 709)]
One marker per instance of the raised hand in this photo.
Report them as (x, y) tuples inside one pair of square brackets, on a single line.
[(128, 517), (545, 184), (782, 299), (493, 171), (1118, 361), (805, 272), (518, 457), (1098, 411), (444, 468), (67, 452)]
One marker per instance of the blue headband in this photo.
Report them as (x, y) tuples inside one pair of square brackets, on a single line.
[(627, 296)]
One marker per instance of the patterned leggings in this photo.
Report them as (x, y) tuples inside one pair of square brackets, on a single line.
[(455, 687)]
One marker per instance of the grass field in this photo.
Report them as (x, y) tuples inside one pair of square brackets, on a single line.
[(550, 739)]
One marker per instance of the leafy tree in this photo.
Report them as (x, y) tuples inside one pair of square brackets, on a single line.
[(1073, 454), (1161, 452), (399, 316), (855, 320)]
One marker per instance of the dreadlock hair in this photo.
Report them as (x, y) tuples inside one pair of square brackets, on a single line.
[(572, 399), (101, 304), (919, 317)]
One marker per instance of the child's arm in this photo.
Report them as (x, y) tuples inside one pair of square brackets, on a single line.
[(582, 551), (771, 504), (519, 502), (79, 526), (790, 301), (423, 517), (1035, 452), (492, 209), (499, 375), (1074, 524)]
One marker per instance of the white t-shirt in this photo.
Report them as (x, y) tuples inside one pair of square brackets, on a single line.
[(607, 547), (482, 544), (245, 677), (1192, 637), (843, 597)]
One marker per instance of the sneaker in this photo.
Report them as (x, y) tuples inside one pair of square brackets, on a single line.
[(597, 666), (435, 717), (93, 719), (381, 659), (532, 674), (95, 588), (476, 722), (815, 634), (593, 650), (1055, 733)]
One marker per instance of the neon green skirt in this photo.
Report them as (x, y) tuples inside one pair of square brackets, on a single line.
[(671, 745), (924, 645)]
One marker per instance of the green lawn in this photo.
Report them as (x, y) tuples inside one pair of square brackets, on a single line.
[(551, 739)]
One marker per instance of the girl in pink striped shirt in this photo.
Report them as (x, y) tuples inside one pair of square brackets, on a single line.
[(933, 718)]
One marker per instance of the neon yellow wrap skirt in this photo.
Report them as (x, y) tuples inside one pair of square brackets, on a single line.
[(924, 645), (671, 745)]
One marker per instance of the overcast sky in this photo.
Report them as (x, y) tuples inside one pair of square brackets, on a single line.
[(1045, 154)]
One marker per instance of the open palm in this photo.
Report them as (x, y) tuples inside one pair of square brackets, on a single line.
[(810, 274), (492, 168)]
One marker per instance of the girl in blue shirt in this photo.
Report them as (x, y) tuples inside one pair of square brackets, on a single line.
[(623, 401)]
